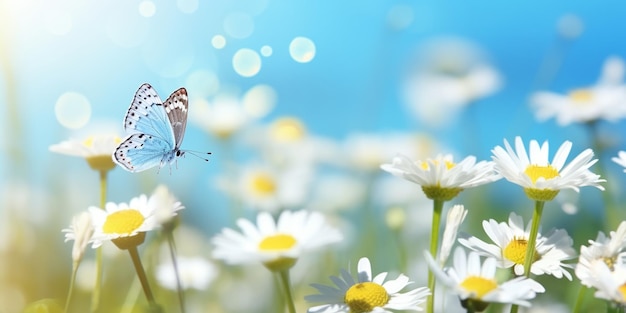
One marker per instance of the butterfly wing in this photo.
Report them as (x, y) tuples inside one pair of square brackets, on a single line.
[(176, 108), (139, 152), (146, 115)]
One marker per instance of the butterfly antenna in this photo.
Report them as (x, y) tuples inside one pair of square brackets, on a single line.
[(201, 155)]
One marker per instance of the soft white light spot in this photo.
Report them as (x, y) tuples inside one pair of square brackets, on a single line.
[(218, 41), (202, 83), (302, 49), (613, 71), (266, 51), (259, 100), (72, 110), (58, 22), (187, 6), (131, 33), (238, 25), (400, 17), (570, 26), (246, 62), (147, 8)]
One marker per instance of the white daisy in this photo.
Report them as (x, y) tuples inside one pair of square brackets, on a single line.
[(608, 250), (511, 241), (165, 205), (620, 159), (541, 179), (276, 244), (194, 272), (455, 217), (265, 188), (121, 223), (476, 284), (605, 100), (441, 178), (581, 105), (610, 283), (450, 74), (223, 117), (286, 142), (227, 113), (81, 229), (97, 150), (367, 293)]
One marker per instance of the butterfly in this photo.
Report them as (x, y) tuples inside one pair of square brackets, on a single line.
[(155, 130)]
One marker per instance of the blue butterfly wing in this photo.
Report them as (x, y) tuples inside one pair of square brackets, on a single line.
[(155, 129), (176, 109), (146, 115), (139, 152)]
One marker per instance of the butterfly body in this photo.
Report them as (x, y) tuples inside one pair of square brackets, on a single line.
[(155, 130)]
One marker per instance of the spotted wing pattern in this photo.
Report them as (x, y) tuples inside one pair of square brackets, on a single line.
[(155, 130), (139, 152), (146, 115), (176, 108)]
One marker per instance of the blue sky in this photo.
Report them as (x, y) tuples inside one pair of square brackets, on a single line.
[(105, 50)]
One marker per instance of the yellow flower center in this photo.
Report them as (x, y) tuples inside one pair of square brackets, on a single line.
[(516, 251), (364, 297), (536, 171), (101, 162), (610, 262), (288, 129), (425, 166), (581, 96), (622, 290), (263, 184), (278, 242), (479, 286), (223, 132), (123, 222), (89, 141)]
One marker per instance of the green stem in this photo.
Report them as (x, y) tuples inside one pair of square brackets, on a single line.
[(434, 242), (70, 292), (402, 256), (579, 299), (95, 296), (141, 274), (12, 119), (103, 189), (532, 239), (613, 308), (131, 297), (369, 218), (612, 216), (284, 279), (179, 287)]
